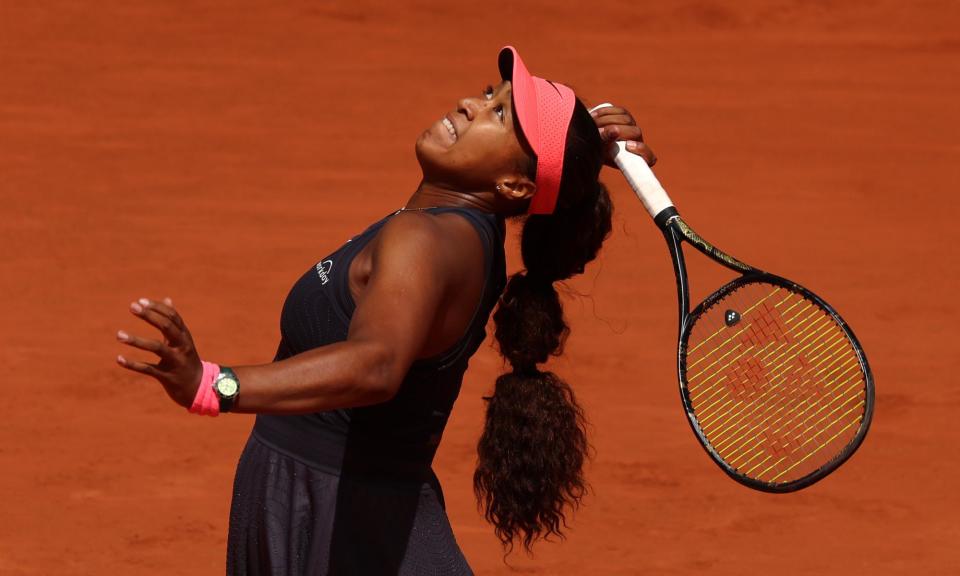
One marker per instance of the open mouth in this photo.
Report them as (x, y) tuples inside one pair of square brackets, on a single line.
[(449, 126)]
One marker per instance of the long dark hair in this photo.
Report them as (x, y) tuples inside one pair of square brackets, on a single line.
[(534, 442)]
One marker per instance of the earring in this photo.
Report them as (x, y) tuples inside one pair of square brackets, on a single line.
[(498, 188)]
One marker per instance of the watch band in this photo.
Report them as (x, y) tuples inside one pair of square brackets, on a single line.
[(227, 387)]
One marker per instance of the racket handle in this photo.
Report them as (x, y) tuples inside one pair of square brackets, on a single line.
[(639, 176)]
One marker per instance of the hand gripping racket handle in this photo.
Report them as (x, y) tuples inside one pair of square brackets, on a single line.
[(640, 177)]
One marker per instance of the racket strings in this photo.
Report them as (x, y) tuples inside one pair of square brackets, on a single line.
[(721, 368), (779, 393), (721, 442), (743, 450), (815, 330), (703, 380), (731, 435), (706, 417)]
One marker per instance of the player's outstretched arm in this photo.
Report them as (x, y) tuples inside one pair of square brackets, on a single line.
[(412, 274)]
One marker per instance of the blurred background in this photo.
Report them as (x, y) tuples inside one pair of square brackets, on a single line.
[(212, 151)]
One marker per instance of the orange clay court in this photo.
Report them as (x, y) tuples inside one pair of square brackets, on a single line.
[(816, 140)]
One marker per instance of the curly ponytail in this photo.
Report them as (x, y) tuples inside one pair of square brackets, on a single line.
[(534, 443)]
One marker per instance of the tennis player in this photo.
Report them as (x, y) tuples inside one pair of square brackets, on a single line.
[(336, 475)]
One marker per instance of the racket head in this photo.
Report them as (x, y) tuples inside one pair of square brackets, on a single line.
[(774, 383)]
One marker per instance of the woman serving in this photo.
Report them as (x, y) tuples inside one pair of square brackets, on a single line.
[(336, 476)]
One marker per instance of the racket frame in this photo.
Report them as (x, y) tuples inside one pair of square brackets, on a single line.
[(676, 231), (658, 204)]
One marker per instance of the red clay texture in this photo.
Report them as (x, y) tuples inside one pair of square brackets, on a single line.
[(213, 151)]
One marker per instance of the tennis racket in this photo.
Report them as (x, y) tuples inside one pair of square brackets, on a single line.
[(774, 383)]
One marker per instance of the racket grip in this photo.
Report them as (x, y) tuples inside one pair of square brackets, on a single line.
[(639, 176)]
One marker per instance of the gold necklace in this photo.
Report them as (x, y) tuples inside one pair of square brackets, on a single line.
[(405, 209)]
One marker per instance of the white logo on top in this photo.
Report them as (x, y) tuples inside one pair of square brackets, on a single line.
[(323, 270)]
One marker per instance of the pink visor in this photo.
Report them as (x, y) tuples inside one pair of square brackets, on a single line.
[(544, 110)]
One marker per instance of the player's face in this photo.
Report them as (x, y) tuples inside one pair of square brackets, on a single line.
[(472, 147)]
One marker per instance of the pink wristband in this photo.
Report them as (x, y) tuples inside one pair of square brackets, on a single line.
[(206, 403)]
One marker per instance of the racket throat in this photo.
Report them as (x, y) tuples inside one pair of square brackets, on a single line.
[(669, 219), (673, 239), (665, 217)]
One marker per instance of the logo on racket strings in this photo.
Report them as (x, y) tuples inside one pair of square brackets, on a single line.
[(731, 318)]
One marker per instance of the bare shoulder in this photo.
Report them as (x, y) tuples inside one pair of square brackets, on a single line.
[(444, 243)]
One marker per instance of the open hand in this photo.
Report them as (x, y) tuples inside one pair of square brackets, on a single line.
[(618, 124), (179, 369)]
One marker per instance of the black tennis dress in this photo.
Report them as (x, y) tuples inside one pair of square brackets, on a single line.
[(352, 491)]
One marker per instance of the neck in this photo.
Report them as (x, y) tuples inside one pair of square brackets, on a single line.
[(428, 195)]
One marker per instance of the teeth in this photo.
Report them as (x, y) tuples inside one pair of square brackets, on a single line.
[(450, 129)]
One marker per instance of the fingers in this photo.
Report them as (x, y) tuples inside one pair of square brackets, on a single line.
[(641, 149), (171, 331), (141, 367), (158, 348), (166, 308), (612, 119), (617, 124), (621, 132), (609, 111)]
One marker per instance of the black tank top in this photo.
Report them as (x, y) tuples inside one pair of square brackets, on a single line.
[(398, 437)]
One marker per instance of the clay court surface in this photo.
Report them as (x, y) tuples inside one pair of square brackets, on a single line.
[(814, 139)]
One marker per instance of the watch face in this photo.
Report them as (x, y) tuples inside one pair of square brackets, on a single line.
[(227, 386)]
